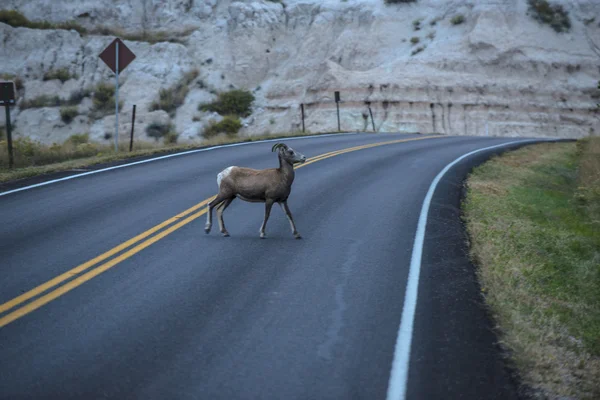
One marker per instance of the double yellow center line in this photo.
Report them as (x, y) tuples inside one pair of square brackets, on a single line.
[(35, 298)]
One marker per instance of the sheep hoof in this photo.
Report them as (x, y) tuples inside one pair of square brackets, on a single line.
[(298, 236), (207, 230), (263, 236), (225, 234)]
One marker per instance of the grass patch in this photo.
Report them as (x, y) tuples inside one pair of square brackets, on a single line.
[(151, 37), (170, 99), (62, 74), (229, 125), (537, 247), (550, 14), (67, 114), (16, 19), (235, 102), (54, 101), (415, 40), (106, 154)]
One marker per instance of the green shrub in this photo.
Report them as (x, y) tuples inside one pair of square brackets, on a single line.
[(62, 74), (551, 14), (67, 114), (235, 102), (158, 130), (457, 19), (417, 24), (16, 19), (103, 98), (415, 40), (170, 99), (230, 125)]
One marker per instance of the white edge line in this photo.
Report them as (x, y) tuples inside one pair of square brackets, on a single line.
[(169, 156), (399, 374)]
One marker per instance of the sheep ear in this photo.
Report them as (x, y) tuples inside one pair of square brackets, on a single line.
[(278, 145)]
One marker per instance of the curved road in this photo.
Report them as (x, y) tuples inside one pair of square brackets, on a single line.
[(177, 314)]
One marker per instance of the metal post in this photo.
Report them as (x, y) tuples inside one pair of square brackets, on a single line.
[(302, 109), (9, 137), (371, 113), (132, 126), (117, 99), (338, 115)]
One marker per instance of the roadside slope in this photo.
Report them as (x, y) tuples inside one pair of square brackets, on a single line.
[(534, 226)]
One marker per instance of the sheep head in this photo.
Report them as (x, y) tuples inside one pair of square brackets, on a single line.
[(288, 154)]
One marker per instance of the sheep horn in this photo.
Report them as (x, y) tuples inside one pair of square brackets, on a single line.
[(277, 145)]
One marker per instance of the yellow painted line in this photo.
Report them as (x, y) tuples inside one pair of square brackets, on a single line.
[(79, 269), (39, 302), (34, 305)]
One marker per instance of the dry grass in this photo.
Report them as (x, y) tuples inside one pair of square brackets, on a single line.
[(71, 159), (537, 247)]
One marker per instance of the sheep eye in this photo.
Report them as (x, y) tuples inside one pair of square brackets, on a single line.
[(290, 152)]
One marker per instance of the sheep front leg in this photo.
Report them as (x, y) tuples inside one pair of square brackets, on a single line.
[(268, 205), (288, 213)]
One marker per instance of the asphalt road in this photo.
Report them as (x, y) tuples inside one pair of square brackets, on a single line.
[(195, 316)]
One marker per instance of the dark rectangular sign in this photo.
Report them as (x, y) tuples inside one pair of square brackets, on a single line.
[(109, 55), (337, 97), (7, 93)]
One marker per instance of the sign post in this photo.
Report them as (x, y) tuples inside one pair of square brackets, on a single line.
[(132, 126), (368, 103), (117, 57), (337, 104), (7, 98), (302, 108)]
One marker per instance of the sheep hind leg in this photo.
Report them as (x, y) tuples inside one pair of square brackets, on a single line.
[(268, 205), (220, 208), (209, 207), (288, 213)]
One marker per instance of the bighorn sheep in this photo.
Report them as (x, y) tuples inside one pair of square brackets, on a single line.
[(257, 186)]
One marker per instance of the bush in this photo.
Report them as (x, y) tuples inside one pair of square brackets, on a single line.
[(170, 99), (235, 102), (457, 19), (158, 130), (104, 100), (417, 24), (16, 19), (230, 125), (62, 74), (414, 40), (551, 14), (67, 114)]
